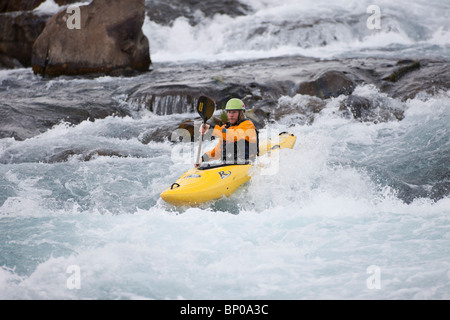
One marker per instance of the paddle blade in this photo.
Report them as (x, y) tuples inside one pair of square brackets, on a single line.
[(205, 107)]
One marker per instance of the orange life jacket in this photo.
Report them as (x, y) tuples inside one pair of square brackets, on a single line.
[(238, 143)]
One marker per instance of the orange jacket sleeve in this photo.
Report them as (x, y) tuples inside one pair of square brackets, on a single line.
[(214, 154)]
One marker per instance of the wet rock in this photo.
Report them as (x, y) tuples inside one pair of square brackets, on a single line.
[(165, 12), (189, 126), (431, 77), (330, 84), (66, 2), (109, 41), (407, 66), (171, 130), (182, 98), (159, 133), (364, 109), (18, 31), (83, 155), (302, 108), (21, 5), (9, 62), (27, 121), (166, 99), (440, 190), (258, 116), (267, 86), (358, 106)]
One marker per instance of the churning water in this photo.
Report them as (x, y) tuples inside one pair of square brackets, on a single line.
[(356, 210)]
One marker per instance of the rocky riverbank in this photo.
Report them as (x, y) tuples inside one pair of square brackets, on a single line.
[(32, 104)]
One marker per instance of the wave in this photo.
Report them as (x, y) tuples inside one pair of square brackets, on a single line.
[(311, 28), (267, 28), (375, 157), (333, 210)]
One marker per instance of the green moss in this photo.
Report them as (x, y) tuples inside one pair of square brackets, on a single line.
[(399, 73)]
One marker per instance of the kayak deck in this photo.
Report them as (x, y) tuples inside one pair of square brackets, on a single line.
[(198, 186)]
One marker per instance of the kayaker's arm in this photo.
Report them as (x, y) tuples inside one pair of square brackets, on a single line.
[(217, 130), (213, 154)]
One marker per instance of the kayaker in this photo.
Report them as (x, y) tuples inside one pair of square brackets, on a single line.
[(238, 139)]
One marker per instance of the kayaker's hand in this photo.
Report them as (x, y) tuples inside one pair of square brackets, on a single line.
[(198, 164), (204, 128)]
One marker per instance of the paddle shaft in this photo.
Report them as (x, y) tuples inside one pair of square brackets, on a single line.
[(200, 147)]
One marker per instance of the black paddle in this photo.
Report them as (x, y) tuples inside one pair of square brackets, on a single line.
[(205, 108)]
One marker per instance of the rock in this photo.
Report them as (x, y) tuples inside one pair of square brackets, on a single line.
[(109, 41), (440, 190), (34, 105), (25, 121), (22, 5), (181, 98), (19, 28), (171, 131), (401, 71), (358, 106), (363, 109), (430, 76), (158, 134), (83, 155), (18, 31), (303, 107), (9, 62), (188, 125), (166, 99), (330, 84), (66, 2), (258, 117), (166, 12)]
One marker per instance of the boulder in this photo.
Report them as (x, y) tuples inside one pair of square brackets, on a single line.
[(440, 190), (375, 110), (358, 106), (303, 108), (25, 121), (109, 41), (18, 31), (19, 5), (166, 12), (406, 66), (330, 84), (258, 116), (188, 125)]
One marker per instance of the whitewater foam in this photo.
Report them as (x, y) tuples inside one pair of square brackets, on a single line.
[(317, 29)]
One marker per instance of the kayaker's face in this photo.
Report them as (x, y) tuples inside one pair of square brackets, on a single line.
[(233, 116)]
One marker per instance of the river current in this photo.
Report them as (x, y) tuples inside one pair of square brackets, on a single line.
[(357, 210)]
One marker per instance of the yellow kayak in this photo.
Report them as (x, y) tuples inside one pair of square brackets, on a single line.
[(199, 185)]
